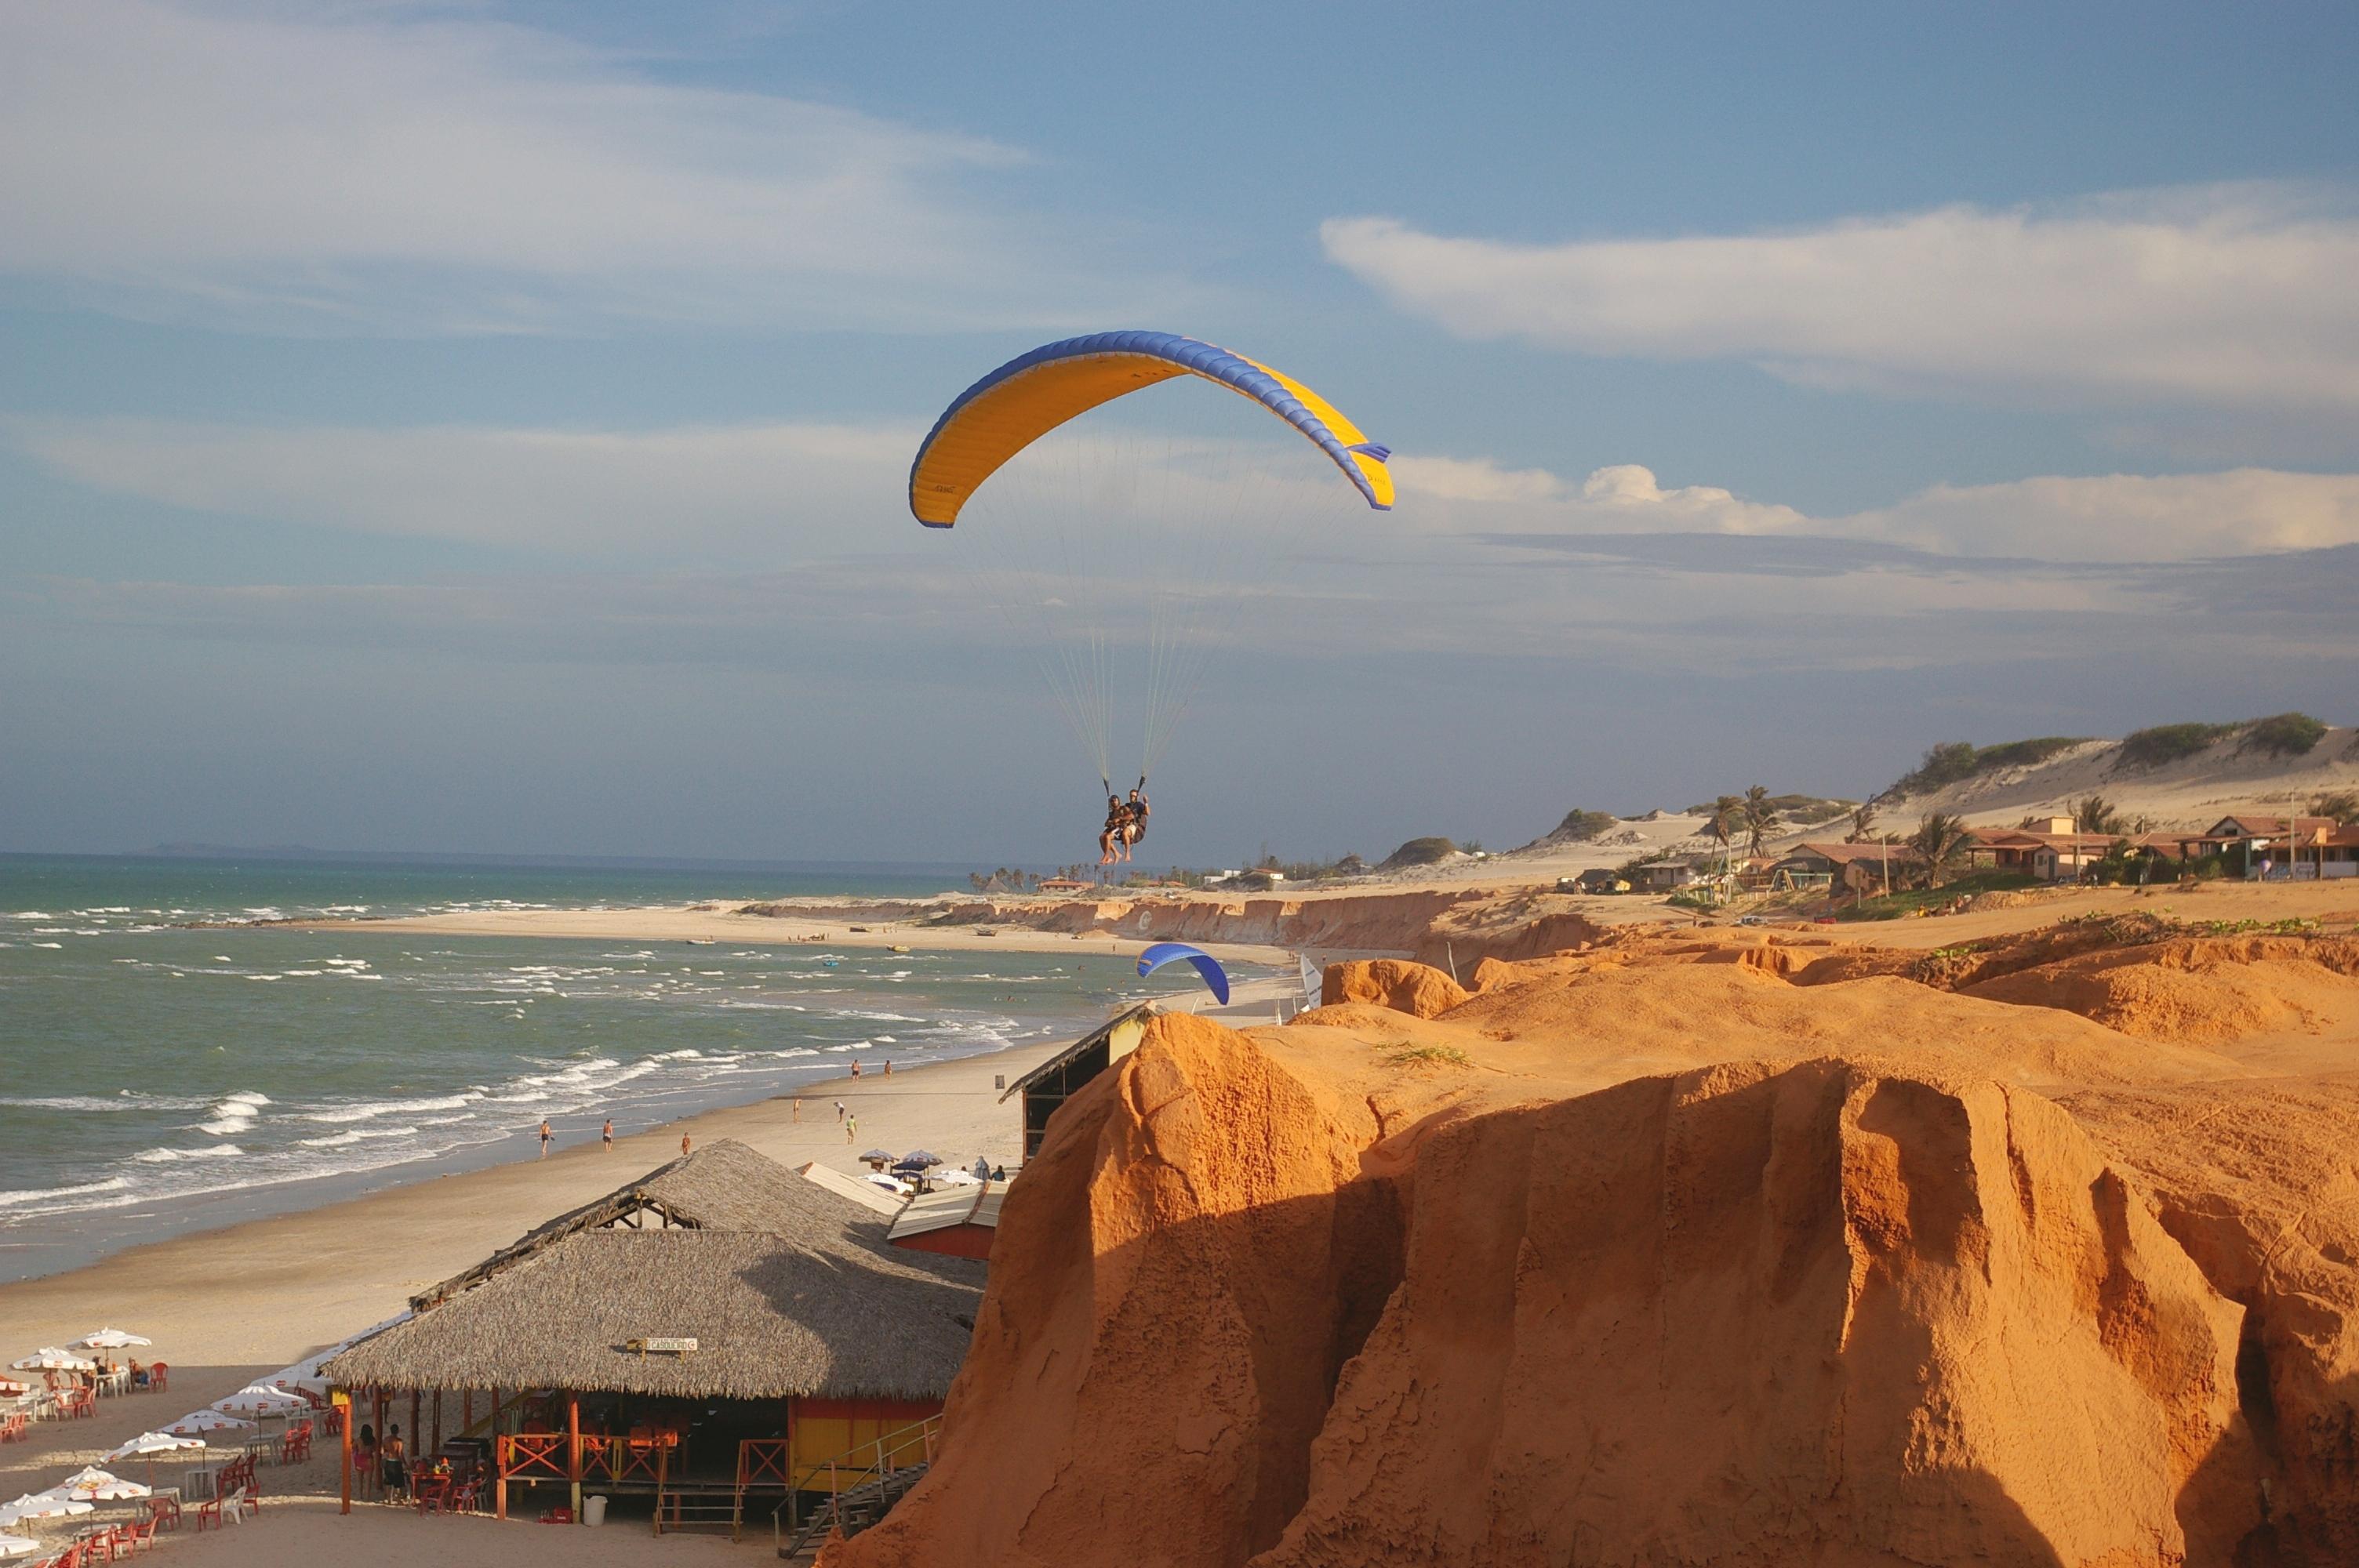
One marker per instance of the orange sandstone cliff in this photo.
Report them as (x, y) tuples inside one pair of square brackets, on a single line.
[(1684, 1249)]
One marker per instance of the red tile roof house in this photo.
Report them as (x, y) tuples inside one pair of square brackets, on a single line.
[(2320, 850), (1856, 868)]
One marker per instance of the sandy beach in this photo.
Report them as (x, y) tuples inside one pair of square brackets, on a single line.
[(707, 923)]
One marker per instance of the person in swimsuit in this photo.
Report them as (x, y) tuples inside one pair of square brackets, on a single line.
[(1135, 813), (606, 1135), (544, 1139), (1117, 823), (393, 1465)]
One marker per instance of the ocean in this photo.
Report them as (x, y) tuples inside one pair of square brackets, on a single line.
[(156, 1079)]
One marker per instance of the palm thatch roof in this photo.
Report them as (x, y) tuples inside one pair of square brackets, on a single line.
[(722, 1187), (772, 1316)]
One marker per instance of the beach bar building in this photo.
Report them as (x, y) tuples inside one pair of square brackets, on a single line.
[(1051, 1083), (719, 1335)]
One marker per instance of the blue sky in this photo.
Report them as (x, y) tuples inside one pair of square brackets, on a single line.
[(480, 427)]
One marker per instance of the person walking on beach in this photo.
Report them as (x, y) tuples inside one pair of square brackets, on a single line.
[(798, 1108), (855, 1069), (392, 1466), (543, 1137), (683, 1145), (888, 1067), (606, 1135), (838, 1110), (851, 1129)]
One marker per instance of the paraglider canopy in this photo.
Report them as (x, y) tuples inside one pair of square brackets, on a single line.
[(1034, 393), (1215, 977)]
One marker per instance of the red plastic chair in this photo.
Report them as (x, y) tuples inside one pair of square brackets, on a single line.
[(158, 1376), (164, 1513)]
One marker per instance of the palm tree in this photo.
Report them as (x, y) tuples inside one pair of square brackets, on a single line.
[(1761, 819), (1863, 823), (2095, 813), (1939, 839)]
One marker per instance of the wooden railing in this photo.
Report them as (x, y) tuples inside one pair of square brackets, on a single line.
[(863, 1464), (535, 1456)]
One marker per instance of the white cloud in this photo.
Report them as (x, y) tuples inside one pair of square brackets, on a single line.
[(386, 167), (2130, 518), (2232, 295)]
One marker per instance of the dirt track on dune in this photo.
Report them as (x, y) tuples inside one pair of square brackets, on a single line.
[(1687, 1248)]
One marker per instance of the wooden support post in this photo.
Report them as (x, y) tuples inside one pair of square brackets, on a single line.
[(663, 1467), (499, 1468), (376, 1482), (409, 1449), (466, 1411), (438, 1424), (573, 1447), (343, 1401)]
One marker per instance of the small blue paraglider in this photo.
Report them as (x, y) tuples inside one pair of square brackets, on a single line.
[(1163, 953)]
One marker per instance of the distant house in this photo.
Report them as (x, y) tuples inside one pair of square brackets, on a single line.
[(1854, 867), (1664, 876), (2247, 826), (2301, 848), (1596, 880), (1066, 884)]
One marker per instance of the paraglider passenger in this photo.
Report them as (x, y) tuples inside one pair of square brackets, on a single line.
[(1117, 826), (1134, 814)]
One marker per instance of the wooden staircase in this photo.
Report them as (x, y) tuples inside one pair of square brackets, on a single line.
[(862, 1487)]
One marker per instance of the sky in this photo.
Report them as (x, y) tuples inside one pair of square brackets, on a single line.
[(485, 427)]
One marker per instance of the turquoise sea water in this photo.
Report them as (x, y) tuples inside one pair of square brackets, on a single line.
[(156, 1079)]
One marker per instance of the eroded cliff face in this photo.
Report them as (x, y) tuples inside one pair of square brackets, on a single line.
[(1188, 1264), (1768, 1315), (1675, 1251)]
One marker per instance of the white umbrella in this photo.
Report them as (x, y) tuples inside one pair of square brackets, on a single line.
[(110, 1339), (18, 1545), (94, 1485), (260, 1399), (148, 1445), (197, 1422), (40, 1505), (50, 1358)]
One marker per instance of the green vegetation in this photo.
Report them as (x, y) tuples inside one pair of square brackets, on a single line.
[(2169, 744), (1910, 901), (1799, 809), (1954, 761), (2341, 807), (2280, 735), (2095, 813), (2283, 735), (1439, 1055), (1760, 817), (1580, 827), (1941, 838), (1419, 852), (1696, 896)]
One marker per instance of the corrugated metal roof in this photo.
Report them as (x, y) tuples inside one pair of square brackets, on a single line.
[(950, 1207)]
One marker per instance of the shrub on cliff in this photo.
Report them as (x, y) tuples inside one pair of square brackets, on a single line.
[(1580, 827), (1954, 761), (2169, 744), (2283, 735), (1419, 853)]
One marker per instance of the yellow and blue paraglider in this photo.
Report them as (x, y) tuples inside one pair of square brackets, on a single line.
[(1215, 977), (1033, 393), (1117, 545)]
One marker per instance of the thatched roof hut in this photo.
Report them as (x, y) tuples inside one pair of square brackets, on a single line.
[(772, 1316), (722, 1187)]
